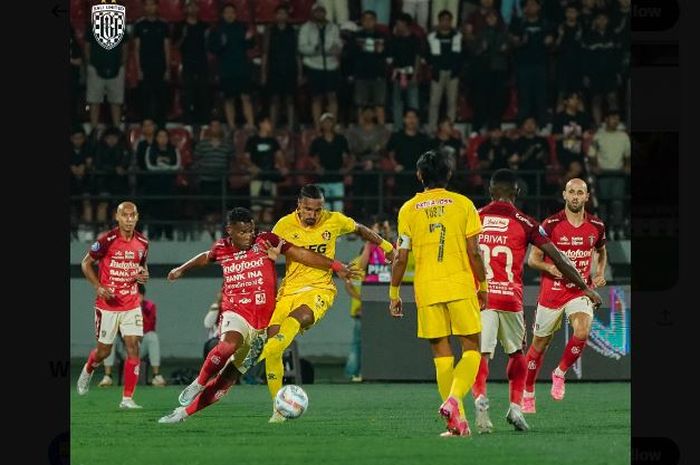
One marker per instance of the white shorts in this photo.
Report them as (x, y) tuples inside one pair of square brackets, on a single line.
[(253, 340), (508, 328), (548, 320), (129, 323)]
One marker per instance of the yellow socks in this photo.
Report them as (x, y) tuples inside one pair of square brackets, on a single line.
[(273, 351), (443, 374), (464, 375)]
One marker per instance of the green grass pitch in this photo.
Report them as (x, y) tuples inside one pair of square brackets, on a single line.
[(348, 424)]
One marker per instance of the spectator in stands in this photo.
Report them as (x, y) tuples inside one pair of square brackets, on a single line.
[(80, 164), (444, 57), (602, 68), (404, 57), (418, 10), (496, 152), (264, 160), (230, 43), (152, 47), (380, 8), (163, 161), (440, 6), (511, 9), (531, 38), (191, 38), (76, 63), (620, 20), (320, 48), (148, 134), (490, 48), (112, 161), (210, 162), (587, 14), (337, 10), (211, 322), (149, 346), (610, 156), (569, 54), (533, 154), (367, 141), (568, 130), (369, 73), (403, 149), (448, 139), (105, 77), (477, 20), (331, 156), (281, 65)]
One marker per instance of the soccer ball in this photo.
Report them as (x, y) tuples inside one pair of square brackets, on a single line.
[(291, 401)]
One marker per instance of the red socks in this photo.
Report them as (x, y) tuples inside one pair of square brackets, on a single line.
[(533, 364), (479, 387), (131, 375), (573, 351), (516, 370), (215, 361), (215, 390), (91, 363)]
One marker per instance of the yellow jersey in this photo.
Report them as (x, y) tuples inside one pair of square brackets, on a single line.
[(319, 238), (435, 224)]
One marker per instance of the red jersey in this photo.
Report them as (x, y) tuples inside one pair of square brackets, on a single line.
[(505, 234), (578, 244), (148, 310), (250, 280), (118, 261)]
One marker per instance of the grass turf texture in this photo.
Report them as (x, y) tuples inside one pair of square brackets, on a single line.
[(349, 423)]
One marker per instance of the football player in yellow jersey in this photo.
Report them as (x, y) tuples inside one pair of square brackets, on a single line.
[(442, 229), (307, 293)]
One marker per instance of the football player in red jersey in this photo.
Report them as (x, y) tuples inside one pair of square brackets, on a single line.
[(121, 256), (581, 237), (504, 238), (250, 285)]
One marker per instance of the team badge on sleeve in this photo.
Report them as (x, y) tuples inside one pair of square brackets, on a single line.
[(95, 246), (542, 231), (591, 240)]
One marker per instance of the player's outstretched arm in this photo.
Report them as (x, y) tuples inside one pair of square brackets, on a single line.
[(197, 261), (536, 261), (87, 265), (398, 268), (316, 260), (477, 264), (569, 271), (370, 236)]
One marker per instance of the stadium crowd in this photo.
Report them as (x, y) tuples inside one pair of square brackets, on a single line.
[(250, 99)]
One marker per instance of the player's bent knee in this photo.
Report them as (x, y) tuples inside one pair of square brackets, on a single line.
[(303, 315)]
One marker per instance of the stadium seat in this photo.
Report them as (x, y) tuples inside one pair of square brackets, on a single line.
[(134, 10), (301, 10), (243, 10), (171, 10), (265, 11), (209, 10)]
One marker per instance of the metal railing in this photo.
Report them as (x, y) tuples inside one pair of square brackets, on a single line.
[(191, 201)]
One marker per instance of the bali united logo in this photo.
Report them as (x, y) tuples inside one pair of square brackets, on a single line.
[(326, 235), (108, 23), (591, 240)]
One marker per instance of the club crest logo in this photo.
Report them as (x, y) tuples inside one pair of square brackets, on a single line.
[(108, 23), (326, 235), (591, 240)]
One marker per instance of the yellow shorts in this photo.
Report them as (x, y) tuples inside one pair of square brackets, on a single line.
[(318, 300), (458, 317)]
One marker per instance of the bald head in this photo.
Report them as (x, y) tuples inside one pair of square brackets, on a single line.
[(575, 195), (127, 206), (127, 216)]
